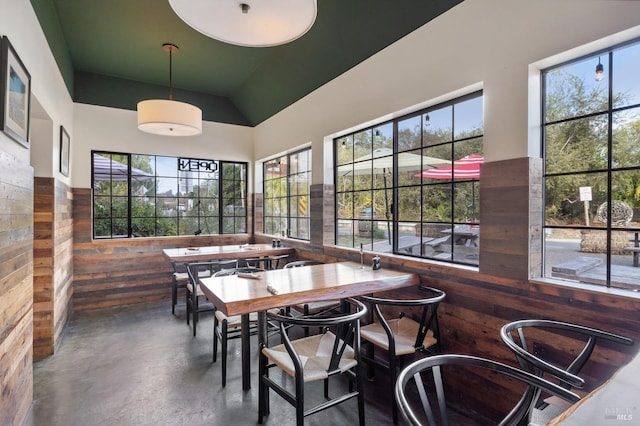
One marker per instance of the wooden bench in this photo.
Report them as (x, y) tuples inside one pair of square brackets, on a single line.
[(574, 267)]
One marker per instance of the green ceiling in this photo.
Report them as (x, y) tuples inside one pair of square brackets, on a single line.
[(109, 53)]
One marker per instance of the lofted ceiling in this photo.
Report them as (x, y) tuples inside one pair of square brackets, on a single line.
[(110, 53)]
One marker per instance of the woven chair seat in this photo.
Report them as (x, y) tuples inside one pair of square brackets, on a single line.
[(404, 331), (234, 321), (315, 354)]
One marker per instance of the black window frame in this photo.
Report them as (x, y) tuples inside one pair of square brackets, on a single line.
[(288, 217), (607, 56), (392, 212), (198, 223)]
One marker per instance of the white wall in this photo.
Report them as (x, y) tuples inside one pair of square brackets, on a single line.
[(19, 23), (479, 43), (111, 129)]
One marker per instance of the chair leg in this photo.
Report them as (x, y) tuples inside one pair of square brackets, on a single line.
[(194, 313), (393, 375), (263, 389), (215, 339), (187, 302), (360, 388), (223, 345), (174, 296), (299, 401), (326, 388)]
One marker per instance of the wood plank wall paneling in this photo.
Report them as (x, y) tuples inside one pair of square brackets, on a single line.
[(53, 263), (63, 253), (478, 305), (258, 212), (510, 217), (124, 271), (16, 289), (322, 226), (43, 258)]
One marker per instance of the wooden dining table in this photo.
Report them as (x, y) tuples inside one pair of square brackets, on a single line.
[(615, 402), (237, 295), (243, 251)]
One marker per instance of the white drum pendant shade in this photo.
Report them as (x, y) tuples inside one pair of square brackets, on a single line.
[(252, 23), (169, 118)]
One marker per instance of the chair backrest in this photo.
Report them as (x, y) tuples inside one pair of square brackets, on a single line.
[(298, 263), (539, 355), (195, 268), (345, 325), (428, 316), (420, 406)]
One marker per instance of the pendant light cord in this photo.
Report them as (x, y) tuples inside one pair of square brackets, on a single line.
[(170, 74), (171, 48)]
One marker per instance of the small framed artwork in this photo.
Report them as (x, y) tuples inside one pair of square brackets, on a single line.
[(64, 151), (15, 94)]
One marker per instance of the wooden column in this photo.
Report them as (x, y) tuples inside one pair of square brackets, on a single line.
[(322, 208), (16, 289), (53, 263), (511, 218)]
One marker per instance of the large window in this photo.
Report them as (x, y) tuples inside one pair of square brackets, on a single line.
[(591, 143), (148, 196), (410, 186), (287, 180)]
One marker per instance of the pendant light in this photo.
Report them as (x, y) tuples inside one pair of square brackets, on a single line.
[(169, 117), (599, 70), (251, 23)]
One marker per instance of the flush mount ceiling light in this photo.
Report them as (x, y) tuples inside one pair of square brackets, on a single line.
[(250, 23), (169, 117)]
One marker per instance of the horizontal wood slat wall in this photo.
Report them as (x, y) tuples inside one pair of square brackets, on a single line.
[(124, 271), (53, 263), (43, 260), (478, 305), (63, 264), (16, 289)]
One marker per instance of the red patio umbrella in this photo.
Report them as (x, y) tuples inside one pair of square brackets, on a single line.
[(467, 167)]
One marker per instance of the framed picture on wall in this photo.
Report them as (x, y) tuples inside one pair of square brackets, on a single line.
[(64, 151), (15, 94)]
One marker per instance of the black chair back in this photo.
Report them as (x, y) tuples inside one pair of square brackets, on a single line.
[(419, 405)]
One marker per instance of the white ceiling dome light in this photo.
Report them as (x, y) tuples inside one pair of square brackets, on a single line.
[(250, 23)]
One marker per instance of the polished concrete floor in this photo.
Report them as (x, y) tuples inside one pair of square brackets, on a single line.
[(140, 365)]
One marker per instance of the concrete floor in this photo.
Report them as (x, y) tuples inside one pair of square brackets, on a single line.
[(140, 365)]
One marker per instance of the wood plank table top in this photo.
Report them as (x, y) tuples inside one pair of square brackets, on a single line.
[(204, 253), (615, 402), (236, 295)]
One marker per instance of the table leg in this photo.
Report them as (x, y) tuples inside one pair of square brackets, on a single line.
[(263, 393), (246, 352)]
